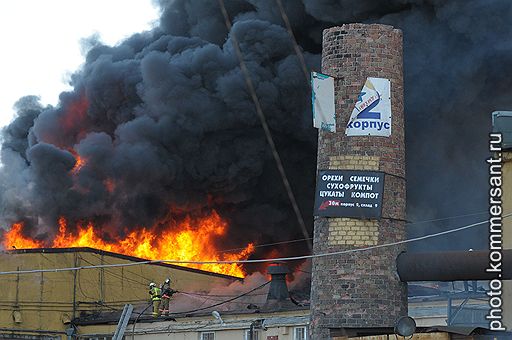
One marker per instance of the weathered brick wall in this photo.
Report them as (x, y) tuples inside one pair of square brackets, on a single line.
[(361, 289)]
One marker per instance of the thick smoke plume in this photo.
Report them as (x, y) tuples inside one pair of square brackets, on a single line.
[(166, 127)]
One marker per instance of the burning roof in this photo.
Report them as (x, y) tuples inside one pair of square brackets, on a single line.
[(193, 240)]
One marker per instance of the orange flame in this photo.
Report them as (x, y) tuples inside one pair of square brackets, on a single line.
[(79, 161), (191, 240), (15, 239)]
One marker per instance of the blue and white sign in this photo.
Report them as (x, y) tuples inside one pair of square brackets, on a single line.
[(372, 113), (322, 97)]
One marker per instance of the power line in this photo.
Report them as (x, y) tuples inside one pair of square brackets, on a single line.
[(207, 307), (264, 124), (266, 244), (446, 218), (412, 223), (117, 275), (279, 259), (116, 302), (223, 302), (296, 47), (214, 295)]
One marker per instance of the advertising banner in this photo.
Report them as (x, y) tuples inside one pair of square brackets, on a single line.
[(349, 193), (371, 115), (322, 97)]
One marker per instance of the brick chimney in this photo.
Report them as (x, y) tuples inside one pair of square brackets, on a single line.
[(361, 289)]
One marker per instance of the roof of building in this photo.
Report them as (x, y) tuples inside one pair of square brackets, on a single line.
[(141, 314), (257, 300), (112, 254)]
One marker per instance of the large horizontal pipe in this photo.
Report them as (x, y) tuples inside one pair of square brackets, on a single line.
[(453, 266)]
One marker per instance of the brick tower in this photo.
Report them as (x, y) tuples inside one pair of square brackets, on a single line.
[(361, 289)]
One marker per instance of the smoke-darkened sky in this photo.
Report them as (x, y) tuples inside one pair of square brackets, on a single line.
[(167, 127)]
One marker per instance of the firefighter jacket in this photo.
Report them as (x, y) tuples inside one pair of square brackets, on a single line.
[(167, 292), (155, 293)]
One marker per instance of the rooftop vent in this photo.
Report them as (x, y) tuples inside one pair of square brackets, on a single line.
[(278, 289), (278, 296)]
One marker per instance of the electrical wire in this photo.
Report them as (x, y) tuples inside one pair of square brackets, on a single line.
[(222, 302), (242, 302), (114, 303), (296, 47), (117, 302), (264, 125), (278, 259), (109, 304), (214, 295), (266, 244), (137, 319), (145, 283), (411, 223), (446, 218), (198, 309), (79, 283), (115, 274)]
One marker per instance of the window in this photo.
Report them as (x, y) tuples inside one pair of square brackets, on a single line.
[(207, 336), (255, 335), (300, 333)]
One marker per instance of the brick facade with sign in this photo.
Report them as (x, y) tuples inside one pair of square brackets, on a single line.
[(361, 289)]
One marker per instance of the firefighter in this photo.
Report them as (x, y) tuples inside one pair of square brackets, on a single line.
[(156, 296), (167, 293)]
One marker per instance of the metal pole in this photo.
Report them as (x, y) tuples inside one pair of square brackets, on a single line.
[(123, 322), (449, 311), (75, 264)]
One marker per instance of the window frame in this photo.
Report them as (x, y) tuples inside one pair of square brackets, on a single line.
[(246, 334), (206, 333), (296, 328)]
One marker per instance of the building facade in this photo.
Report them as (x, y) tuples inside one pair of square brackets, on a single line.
[(44, 303)]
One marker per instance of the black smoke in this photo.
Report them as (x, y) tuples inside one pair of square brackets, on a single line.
[(167, 126)]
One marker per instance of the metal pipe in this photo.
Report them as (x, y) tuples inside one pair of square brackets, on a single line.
[(453, 266), (38, 331), (75, 263)]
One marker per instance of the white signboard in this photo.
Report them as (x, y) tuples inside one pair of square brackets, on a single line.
[(322, 98), (372, 113)]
